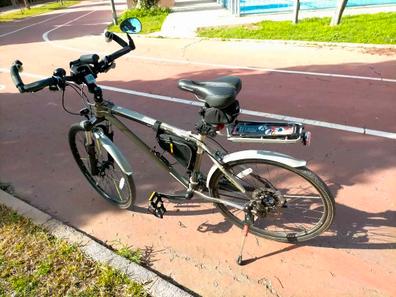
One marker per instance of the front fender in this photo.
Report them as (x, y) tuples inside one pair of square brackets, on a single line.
[(255, 154), (113, 150)]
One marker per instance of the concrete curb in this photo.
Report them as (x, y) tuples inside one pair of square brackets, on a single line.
[(154, 284), (308, 43)]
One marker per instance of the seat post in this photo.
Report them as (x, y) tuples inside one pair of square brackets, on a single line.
[(198, 159)]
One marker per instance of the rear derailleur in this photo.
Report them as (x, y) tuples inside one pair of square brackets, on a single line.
[(266, 201)]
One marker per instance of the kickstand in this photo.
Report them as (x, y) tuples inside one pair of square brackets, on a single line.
[(245, 231)]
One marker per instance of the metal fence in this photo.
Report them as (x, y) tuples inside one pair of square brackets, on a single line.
[(240, 7)]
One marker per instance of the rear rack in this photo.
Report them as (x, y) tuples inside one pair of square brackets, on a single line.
[(267, 132)]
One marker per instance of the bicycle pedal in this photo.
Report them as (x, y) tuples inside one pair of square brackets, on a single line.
[(156, 205)]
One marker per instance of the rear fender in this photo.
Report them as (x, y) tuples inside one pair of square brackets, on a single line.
[(257, 154)]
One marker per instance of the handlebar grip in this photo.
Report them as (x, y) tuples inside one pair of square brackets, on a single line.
[(89, 59), (118, 53), (16, 78), (40, 84), (111, 36), (32, 87)]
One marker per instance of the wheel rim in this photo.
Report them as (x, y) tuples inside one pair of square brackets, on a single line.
[(306, 208), (111, 182)]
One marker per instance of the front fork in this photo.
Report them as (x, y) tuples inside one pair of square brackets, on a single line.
[(90, 144), (90, 149)]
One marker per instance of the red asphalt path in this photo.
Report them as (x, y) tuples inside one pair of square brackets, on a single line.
[(192, 244)]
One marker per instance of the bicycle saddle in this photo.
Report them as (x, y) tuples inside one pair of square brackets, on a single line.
[(219, 93)]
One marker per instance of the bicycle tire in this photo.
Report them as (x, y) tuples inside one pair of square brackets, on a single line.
[(125, 183), (305, 174)]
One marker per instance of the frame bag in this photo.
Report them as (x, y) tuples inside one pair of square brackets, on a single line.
[(182, 150)]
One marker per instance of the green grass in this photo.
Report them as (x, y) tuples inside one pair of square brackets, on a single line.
[(134, 255), (377, 28), (123, 250), (151, 19), (34, 263), (24, 13)]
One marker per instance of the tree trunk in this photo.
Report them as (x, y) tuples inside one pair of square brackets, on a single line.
[(14, 3), (130, 4), (114, 12), (296, 11), (27, 4), (336, 20)]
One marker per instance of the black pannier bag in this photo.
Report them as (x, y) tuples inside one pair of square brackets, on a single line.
[(182, 150), (226, 115)]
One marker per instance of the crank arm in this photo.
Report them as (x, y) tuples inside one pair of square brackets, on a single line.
[(175, 197)]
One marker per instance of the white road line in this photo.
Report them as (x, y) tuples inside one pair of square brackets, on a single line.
[(260, 69), (311, 122), (96, 24), (45, 35), (224, 66), (27, 74), (44, 21), (359, 130)]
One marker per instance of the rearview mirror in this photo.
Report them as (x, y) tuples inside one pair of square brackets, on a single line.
[(131, 26)]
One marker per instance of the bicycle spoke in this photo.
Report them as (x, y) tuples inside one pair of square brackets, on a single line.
[(109, 181), (304, 209)]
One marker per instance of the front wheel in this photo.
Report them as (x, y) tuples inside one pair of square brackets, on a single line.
[(289, 204), (99, 168)]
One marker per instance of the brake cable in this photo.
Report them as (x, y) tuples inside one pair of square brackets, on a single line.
[(82, 95), (64, 107)]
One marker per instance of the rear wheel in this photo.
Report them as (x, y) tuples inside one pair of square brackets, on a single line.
[(99, 168), (289, 204)]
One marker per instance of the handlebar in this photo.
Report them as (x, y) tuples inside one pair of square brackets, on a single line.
[(92, 59), (16, 78), (117, 54), (89, 59), (126, 48), (32, 87), (111, 36)]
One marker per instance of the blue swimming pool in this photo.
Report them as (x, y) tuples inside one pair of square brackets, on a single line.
[(271, 6)]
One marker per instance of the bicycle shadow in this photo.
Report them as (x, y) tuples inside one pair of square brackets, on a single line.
[(353, 229), (178, 211), (192, 208)]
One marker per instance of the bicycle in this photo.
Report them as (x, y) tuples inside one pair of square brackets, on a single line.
[(269, 194)]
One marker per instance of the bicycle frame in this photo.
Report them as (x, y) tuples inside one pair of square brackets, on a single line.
[(109, 111)]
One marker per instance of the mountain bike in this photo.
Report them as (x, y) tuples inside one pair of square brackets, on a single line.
[(265, 193)]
